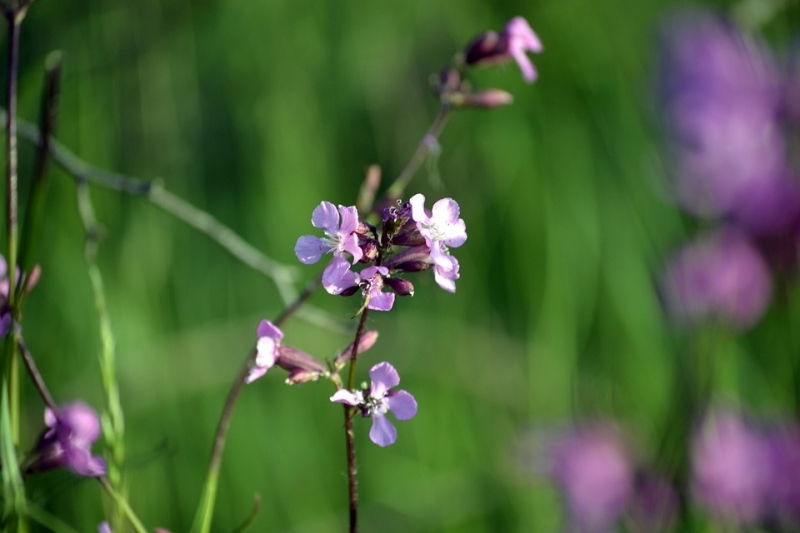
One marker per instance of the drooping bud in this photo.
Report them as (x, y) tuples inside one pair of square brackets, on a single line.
[(302, 376), (292, 359), (414, 259), (401, 287), (365, 342), (486, 48)]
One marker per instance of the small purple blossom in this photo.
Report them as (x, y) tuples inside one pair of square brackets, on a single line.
[(720, 276), (442, 229), (730, 468), (516, 39), (378, 400), (372, 283), (594, 472), (68, 441), (339, 227), (269, 340), (104, 528), (520, 38)]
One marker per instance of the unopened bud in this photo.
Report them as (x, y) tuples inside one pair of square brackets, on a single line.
[(370, 250), (292, 359), (486, 48), (448, 81), (409, 238), (349, 291), (412, 266), (419, 253), (401, 287), (365, 342), (486, 99)]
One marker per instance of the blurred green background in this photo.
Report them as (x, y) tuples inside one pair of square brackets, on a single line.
[(256, 111)]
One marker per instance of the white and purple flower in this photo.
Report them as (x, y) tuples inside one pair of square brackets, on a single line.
[(520, 38), (378, 400), (269, 341), (340, 237), (442, 229)]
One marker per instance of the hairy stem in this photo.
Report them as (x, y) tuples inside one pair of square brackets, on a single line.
[(424, 147)]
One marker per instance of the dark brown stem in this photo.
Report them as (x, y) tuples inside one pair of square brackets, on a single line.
[(27, 357), (14, 17), (349, 435)]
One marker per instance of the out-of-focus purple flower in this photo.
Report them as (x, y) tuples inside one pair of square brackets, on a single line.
[(592, 468), (720, 93), (516, 39), (784, 480), (104, 528), (653, 505), (378, 400), (372, 282), (521, 39), (442, 229), (730, 468), (339, 227), (269, 341), (68, 441), (720, 276)]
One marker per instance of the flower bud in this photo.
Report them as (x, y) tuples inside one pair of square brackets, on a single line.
[(486, 99), (369, 247), (401, 287), (419, 253), (485, 48), (448, 81), (365, 342), (412, 266), (409, 238), (292, 359)]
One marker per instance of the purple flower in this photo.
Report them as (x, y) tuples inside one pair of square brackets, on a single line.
[(68, 441), (730, 468), (516, 39), (593, 470), (720, 276), (372, 283), (339, 227), (269, 340), (378, 400), (104, 528), (720, 94), (520, 39), (784, 481), (442, 229)]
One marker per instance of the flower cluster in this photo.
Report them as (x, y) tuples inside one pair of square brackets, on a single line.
[(726, 106), (410, 239)]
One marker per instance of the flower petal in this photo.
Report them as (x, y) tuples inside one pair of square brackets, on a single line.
[(349, 219), (383, 432), (384, 377), (418, 214), (381, 301), (337, 276), (325, 216), (402, 405), (255, 373), (346, 397), (309, 249), (350, 245), (268, 329), (445, 211), (266, 352)]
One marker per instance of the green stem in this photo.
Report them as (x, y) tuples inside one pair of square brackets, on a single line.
[(424, 147), (122, 503)]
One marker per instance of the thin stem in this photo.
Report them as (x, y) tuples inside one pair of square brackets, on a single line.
[(124, 505), (207, 501), (349, 434), (27, 357), (14, 18), (399, 185)]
